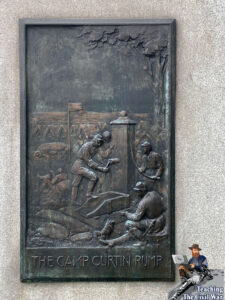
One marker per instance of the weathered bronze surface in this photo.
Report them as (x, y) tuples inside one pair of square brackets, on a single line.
[(97, 149)]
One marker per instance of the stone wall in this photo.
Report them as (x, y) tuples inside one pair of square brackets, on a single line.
[(200, 143)]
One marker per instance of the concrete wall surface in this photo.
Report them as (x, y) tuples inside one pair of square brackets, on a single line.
[(200, 143)]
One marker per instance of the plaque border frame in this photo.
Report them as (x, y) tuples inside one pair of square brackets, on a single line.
[(23, 24)]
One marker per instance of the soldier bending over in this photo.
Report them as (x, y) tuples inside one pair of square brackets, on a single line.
[(84, 166), (147, 219)]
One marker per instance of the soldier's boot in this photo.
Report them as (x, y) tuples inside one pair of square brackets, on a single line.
[(74, 195), (181, 289), (210, 276), (183, 275), (208, 273), (75, 187), (117, 241), (90, 189), (136, 233)]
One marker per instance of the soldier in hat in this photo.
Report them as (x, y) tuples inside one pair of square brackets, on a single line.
[(147, 219), (84, 166), (107, 136), (106, 150), (140, 190), (140, 187), (197, 262), (194, 273), (152, 163)]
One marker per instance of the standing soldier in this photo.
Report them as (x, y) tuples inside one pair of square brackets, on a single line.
[(84, 166)]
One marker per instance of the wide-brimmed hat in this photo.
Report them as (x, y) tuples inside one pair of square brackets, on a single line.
[(106, 135), (98, 137), (146, 144), (195, 246), (140, 186)]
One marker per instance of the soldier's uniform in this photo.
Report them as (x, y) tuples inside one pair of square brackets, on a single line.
[(148, 217), (152, 162), (84, 166)]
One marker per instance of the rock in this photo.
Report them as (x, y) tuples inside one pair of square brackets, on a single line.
[(123, 36), (82, 218), (111, 201), (69, 222), (134, 34), (112, 41), (81, 236), (95, 36), (110, 29), (54, 231)]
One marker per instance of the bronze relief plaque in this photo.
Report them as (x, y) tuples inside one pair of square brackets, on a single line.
[(97, 149)]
